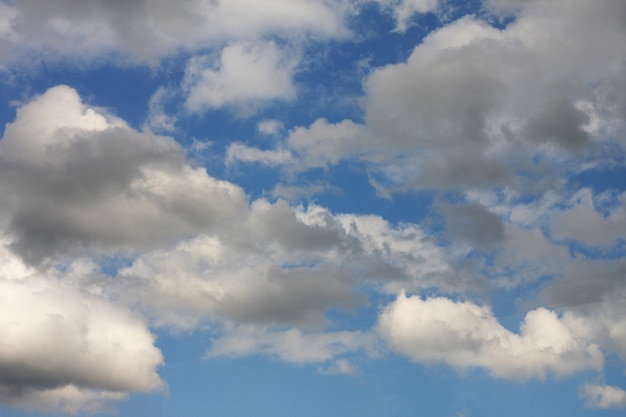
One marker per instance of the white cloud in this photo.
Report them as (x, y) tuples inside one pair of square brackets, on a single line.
[(67, 349), (238, 152), (320, 145), (403, 10), (270, 127), (604, 396), (465, 335), (290, 345), (324, 143), (246, 76)]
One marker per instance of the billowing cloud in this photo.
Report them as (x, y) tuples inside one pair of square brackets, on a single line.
[(66, 348), (604, 396), (476, 105), (471, 94), (77, 180), (465, 335), (281, 266)]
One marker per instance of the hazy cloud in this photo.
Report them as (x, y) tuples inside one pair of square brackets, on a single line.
[(290, 345)]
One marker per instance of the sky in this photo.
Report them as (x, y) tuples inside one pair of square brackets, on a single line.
[(281, 208)]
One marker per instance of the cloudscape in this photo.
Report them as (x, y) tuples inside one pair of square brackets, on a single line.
[(313, 207)]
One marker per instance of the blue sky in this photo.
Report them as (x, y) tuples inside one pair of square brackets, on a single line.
[(313, 207)]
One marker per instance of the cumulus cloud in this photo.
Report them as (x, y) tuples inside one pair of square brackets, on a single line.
[(245, 76), (476, 105), (280, 266), (604, 396), (465, 335), (473, 100), (80, 181), (67, 348)]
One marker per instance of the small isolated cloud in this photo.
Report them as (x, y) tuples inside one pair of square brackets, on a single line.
[(321, 145), (246, 76), (238, 152), (290, 345), (403, 10), (158, 119), (604, 396), (270, 127), (465, 335), (339, 367), (296, 192)]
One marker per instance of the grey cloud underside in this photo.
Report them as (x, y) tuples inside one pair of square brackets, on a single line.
[(474, 223), (148, 30), (85, 184)]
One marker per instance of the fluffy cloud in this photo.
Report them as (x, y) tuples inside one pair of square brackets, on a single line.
[(320, 145), (475, 105), (79, 181), (604, 396), (472, 101), (465, 335), (148, 29), (281, 266), (246, 76), (66, 348)]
